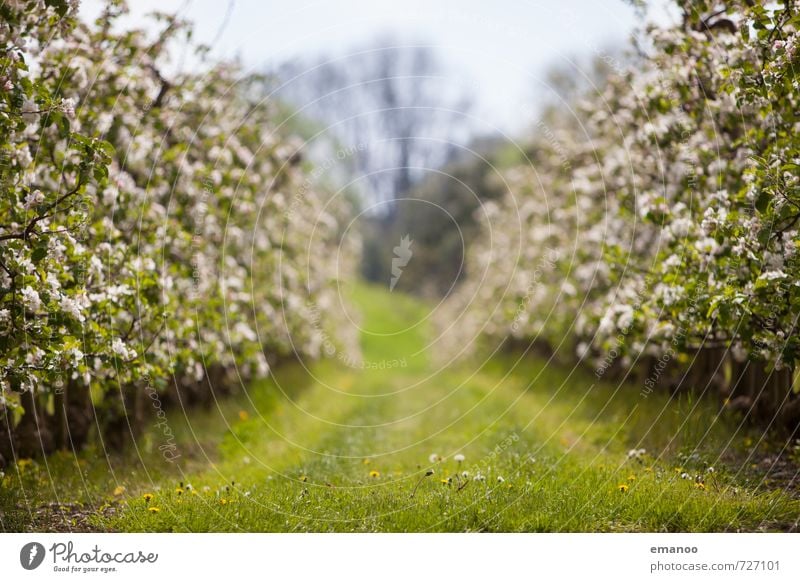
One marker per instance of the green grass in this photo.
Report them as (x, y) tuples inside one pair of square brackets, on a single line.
[(337, 448)]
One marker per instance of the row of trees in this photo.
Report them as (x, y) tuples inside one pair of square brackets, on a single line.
[(160, 236), (654, 229)]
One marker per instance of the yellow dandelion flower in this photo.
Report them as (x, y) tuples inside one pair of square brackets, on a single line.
[(304, 478), (622, 488), (631, 477), (179, 491), (119, 490), (148, 497), (700, 486), (223, 501), (153, 509), (648, 469), (375, 474), (366, 461)]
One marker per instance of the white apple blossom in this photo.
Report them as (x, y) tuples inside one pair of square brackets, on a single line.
[(31, 300), (70, 306), (33, 199)]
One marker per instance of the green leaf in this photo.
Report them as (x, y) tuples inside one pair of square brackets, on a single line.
[(39, 253), (100, 173), (763, 200)]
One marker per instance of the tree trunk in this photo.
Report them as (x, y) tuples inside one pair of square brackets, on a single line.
[(775, 393), (765, 396), (33, 436), (74, 416), (125, 416), (706, 373), (6, 428)]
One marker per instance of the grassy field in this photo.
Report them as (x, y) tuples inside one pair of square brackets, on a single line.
[(400, 445)]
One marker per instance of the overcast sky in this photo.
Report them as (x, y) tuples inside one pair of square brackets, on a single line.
[(501, 48)]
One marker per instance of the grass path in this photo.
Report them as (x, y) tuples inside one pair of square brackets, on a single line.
[(338, 448)]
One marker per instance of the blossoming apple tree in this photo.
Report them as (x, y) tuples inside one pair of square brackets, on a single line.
[(147, 242), (657, 227)]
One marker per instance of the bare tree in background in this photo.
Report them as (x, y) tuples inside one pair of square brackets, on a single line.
[(393, 100)]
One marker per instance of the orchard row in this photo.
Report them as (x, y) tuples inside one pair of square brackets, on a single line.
[(654, 229), (159, 232)]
